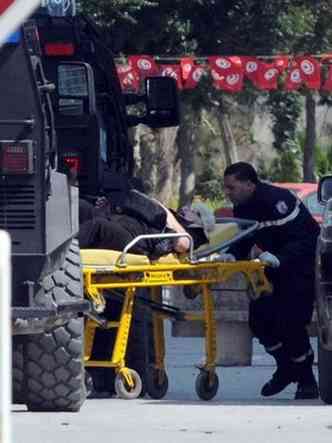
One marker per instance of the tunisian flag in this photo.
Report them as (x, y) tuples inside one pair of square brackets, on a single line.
[(294, 78), (263, 75), (173, 71), (194, 77), (250, 66), (187, 64), (129, 78), (226, 65), (232, 82), (227, 73), (266, 76), (190, 73), (144, 64), (310, 71)]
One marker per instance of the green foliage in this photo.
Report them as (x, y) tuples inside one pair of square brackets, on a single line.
[(285, 108), (285, 168), (323, 155), (209, 184)]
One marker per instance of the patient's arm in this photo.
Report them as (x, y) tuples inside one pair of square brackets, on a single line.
[(181, 244)]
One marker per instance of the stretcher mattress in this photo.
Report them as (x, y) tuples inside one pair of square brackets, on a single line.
[(103, 257)]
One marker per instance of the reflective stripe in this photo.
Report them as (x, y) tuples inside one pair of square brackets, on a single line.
[(282, 221), (273, 348)]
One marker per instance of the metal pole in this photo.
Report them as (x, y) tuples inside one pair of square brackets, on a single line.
[(5, 339), (14, 16)]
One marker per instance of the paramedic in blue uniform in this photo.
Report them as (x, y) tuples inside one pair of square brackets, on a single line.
[(285, 241)]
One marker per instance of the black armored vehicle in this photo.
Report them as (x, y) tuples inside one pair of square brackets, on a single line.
[(39, 209), (63, 130)]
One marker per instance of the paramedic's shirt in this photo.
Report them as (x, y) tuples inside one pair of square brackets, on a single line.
[(287, 229)]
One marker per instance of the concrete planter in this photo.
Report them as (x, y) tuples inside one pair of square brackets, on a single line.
[(234, 338)]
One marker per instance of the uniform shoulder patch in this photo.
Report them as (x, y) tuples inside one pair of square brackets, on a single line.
[(282, 207)]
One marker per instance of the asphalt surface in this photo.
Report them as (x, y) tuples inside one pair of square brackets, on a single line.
[(237, 414)]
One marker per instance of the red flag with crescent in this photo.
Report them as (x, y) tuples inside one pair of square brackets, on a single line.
[(144, 64), (129, 78), (310, 71), (173, 71)]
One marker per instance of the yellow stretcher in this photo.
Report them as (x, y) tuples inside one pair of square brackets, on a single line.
[(106, 270)]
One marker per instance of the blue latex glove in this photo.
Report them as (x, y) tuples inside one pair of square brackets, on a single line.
[(269, 259)]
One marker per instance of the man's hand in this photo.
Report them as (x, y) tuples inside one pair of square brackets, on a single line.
[(269, 259)]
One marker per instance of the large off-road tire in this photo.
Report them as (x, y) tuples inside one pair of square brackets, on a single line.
[(325, 374), (17, 372), (53, 361)]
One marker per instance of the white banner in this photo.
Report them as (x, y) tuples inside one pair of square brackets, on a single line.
[(14, 16), (5, 339)]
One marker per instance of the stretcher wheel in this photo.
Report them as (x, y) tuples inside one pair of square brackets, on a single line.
[(123, 390), (157, 383), (206, 385)]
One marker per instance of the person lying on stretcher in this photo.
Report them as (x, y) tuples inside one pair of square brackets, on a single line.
[(102, 228)]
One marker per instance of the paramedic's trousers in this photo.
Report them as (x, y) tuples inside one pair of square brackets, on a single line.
[(283, 316)]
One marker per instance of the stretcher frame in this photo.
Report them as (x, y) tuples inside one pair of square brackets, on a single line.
[(188, 271)]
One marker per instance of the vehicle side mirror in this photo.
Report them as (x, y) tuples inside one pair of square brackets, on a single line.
[(325, 189), (75, 89), (162, 103)]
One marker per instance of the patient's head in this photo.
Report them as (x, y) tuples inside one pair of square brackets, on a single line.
[(198, 220)]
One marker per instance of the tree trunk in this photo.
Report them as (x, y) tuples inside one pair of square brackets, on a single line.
[(310, 139), (228, 140), (166, 164), (187, 146)]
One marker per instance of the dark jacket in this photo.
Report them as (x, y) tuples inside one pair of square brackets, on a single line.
[(291, 236)]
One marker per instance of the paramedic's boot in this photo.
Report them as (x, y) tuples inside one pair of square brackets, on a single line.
[(307, 386), (282, 377)]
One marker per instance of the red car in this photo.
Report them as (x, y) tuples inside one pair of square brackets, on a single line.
[(307, 192)]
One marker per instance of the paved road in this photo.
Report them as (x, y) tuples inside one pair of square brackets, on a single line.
[(237, 414)]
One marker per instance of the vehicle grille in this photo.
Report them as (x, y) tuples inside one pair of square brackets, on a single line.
[(17, 207)]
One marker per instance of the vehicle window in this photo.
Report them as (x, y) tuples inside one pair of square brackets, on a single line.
[(72, 81), (313, 204)]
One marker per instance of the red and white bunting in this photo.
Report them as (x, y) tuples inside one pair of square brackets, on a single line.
[(267, 76), (225, 65), (187, 65), (228, 72), (195, 76), (231, 82), (190, 72), (173, 71), (144, 64), (310, 71), (294, 78), (129, 78), (250, 67)]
